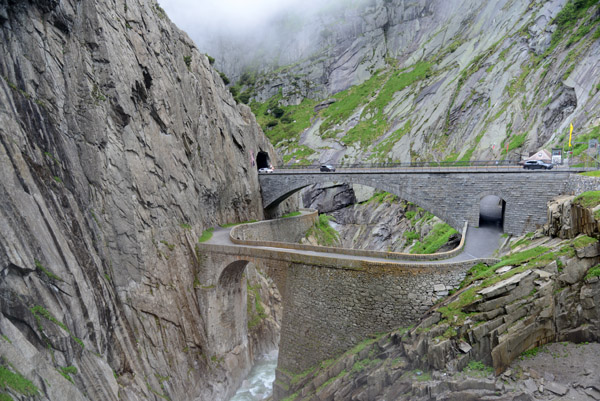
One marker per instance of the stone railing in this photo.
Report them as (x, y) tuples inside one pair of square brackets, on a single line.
[(291, 229)]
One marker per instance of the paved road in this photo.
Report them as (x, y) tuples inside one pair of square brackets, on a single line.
[(480, 243)]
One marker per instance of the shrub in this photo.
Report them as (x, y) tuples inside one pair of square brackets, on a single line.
[(211, 60), (187, 60), (224, 78)]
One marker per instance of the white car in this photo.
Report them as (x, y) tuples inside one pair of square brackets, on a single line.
[(265, 170)]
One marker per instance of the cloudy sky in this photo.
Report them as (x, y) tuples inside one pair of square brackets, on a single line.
[(207, 17)]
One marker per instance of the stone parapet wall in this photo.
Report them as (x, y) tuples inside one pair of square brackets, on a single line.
[(282, 230), (580, 183), (241, 235)]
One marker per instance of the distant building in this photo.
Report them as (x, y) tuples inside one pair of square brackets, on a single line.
[(542, 155)]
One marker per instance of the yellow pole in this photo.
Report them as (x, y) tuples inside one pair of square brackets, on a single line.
[(570, 134)]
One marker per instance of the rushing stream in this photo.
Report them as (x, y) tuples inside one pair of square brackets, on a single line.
[(259, 383)]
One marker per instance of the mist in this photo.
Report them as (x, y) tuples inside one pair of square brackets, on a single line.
[(252, 34)]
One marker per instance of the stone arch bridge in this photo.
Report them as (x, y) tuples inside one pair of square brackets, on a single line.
[(452, 194)]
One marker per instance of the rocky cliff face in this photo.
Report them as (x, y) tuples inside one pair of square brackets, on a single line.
[(437, 80), (119, 145)]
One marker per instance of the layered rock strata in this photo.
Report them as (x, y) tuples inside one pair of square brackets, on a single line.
[(119, 146)]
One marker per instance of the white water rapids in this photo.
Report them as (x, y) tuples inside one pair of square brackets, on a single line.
[(259, 383)]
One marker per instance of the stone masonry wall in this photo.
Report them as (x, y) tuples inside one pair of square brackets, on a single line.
[(453, 196), (328, 310), (289, 229)]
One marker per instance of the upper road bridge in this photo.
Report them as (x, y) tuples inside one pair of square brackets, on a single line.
[(454, 194)]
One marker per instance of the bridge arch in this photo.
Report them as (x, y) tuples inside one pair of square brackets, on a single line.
[(492, 209), (454, 195), (402, 190)]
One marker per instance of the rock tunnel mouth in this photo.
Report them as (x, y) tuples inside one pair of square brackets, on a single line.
[(492, 209), (262, 160)]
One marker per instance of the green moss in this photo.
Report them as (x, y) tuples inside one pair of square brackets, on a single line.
[(5, 397), (67, 371), (47, 272), (436, 238), (16, 382), (593, 272), (206, 235), (39, 311), (291, 214), (477, 368)]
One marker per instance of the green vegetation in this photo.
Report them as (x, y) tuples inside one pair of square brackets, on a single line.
[(595, 173), (170, 246), (39, 311), (583, 241), (67, 371), (15, 381), (436, 238), (206, 235), (568, 18), (477, 368), (382, 196), (323, 232), (291, 214), (224, 78), (515, 141), (593, 272), (588, 199), (254, 310), (185, 226), (349, 100), (383, 149), (187, 60), (411, 235), (373, 122), (47, 272), (530, 353), (285, 129)]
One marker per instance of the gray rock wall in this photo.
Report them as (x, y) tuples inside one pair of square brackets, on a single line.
[(118, 143)]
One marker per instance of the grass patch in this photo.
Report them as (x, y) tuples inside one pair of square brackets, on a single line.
[(39, 311), (588, 199), (47, 272), (436, 238), (291, 214), (206, 235), (595, 173), (593, 272), (16, 382), (373, 122), (477, 368), (349, 100), (323, 232), (67, 371), (380, 197), (583, 241)]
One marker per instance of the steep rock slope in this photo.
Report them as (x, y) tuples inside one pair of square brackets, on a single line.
[(119, 145), (437, 80)]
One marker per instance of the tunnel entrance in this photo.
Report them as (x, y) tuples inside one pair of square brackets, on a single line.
[(491, 212), (263, 160)]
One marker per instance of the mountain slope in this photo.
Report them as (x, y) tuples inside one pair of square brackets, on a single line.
[(119, 146), (437, 80)]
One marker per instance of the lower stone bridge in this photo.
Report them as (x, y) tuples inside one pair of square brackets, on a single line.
[(452, 194), (330, 302)]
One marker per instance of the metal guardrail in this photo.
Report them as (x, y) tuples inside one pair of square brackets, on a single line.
[(471, 163)]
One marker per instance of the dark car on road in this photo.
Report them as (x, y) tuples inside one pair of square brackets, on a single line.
[(327, 168), (537, 164)]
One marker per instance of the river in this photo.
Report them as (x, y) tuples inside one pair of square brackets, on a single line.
[(259, 383)]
